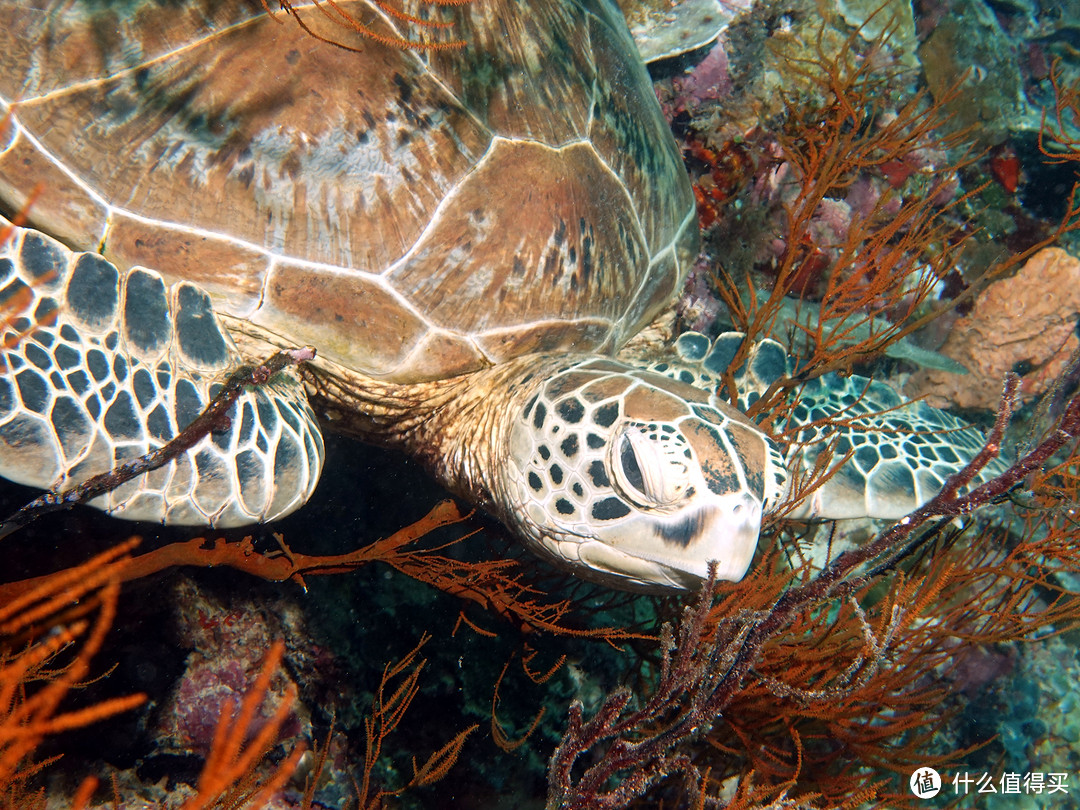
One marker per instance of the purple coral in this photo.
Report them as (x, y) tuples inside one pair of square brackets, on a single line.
[(710, 80)]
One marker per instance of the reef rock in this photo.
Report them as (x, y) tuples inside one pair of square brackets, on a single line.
[(972, 67), (1026, 323), (892, 20)]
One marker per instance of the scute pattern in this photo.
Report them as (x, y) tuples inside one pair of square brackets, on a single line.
[(902, 452), (128, 364), (616, 469), (578, 257), (257, 159)]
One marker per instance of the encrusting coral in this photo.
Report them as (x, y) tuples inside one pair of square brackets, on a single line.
[(1024, 324)]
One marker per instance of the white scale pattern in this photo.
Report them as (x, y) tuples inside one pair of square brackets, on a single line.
[(104, 366)]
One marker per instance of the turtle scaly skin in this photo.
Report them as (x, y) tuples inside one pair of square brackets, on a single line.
[(104, 365), (630, 474), (901, 452)]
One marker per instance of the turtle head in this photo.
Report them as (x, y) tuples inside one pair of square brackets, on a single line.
[(634, 480)]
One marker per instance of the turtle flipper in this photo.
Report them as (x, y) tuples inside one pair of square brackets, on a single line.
[(101, 366), (702, 363), (901, 451)]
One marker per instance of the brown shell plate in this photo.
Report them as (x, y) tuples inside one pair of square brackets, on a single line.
[(412, 214)]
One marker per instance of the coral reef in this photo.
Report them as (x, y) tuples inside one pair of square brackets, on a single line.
[(1024, 324), (225, 644), (891, 22), (424, 670), (970, 42)]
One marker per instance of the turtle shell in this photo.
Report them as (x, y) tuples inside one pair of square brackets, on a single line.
[(413, 214)]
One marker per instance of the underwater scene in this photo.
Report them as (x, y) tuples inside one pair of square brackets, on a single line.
[(495, 404)]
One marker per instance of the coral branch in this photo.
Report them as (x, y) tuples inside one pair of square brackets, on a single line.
[(27, 716), (238, 747), (386, 716), (498, 585)]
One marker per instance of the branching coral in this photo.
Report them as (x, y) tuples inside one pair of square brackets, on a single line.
[(60, 624), (34, 680), (51, 611), (387, 713), (870, 221)]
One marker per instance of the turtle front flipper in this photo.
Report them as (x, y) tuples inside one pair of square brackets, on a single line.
[(102, 366), (901, 452)]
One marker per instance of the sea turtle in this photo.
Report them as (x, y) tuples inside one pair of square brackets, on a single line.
[(467, 236)]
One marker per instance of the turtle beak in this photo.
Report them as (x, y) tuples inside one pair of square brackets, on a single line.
[(674, 551), (724, 531)]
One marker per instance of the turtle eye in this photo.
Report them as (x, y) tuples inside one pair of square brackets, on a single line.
[(631, 470), (644, 473)]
